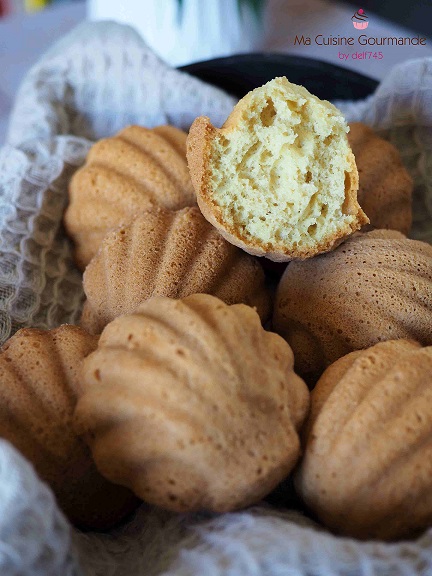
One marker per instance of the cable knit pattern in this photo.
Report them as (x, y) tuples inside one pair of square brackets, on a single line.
[(98, 79)]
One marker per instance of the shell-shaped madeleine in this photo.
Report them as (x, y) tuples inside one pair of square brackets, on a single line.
[(385, 187), (40, 381), (174, 254), (192, 404), (124, 175), (367, 465), (374, 287)]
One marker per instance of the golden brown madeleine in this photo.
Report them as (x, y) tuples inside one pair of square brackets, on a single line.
[(124, 175), (279, 178), (40, 380), (376, 286), (174, 254), (367, 465), (192, 404), (385, 187)]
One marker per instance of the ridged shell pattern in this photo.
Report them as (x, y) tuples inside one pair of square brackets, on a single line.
[(192, 404), (124, 175), (367, 466), (374, 287), (40, 377), (174, 254), (385, 187)]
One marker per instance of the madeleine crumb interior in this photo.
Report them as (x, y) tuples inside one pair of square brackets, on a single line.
[(280, 175)]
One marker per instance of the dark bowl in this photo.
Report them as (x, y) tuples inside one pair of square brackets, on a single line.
[(239, 74)]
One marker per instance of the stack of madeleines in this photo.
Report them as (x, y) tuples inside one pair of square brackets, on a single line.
[(175, 390)]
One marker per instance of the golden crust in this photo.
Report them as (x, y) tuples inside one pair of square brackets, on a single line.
[(192, 404), (123, 175), (89, 320), (370, 414), (41, 381), (201, 134), (376, 286), (167, 253), (385, 187)]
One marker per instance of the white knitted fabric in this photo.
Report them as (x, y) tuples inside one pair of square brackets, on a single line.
[(98, 79)]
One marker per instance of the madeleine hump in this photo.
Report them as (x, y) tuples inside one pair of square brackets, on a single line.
[(168, 253), (367, 465), (134, 170), (40, 372), (375, 287), (385, 187), (192, 404)]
